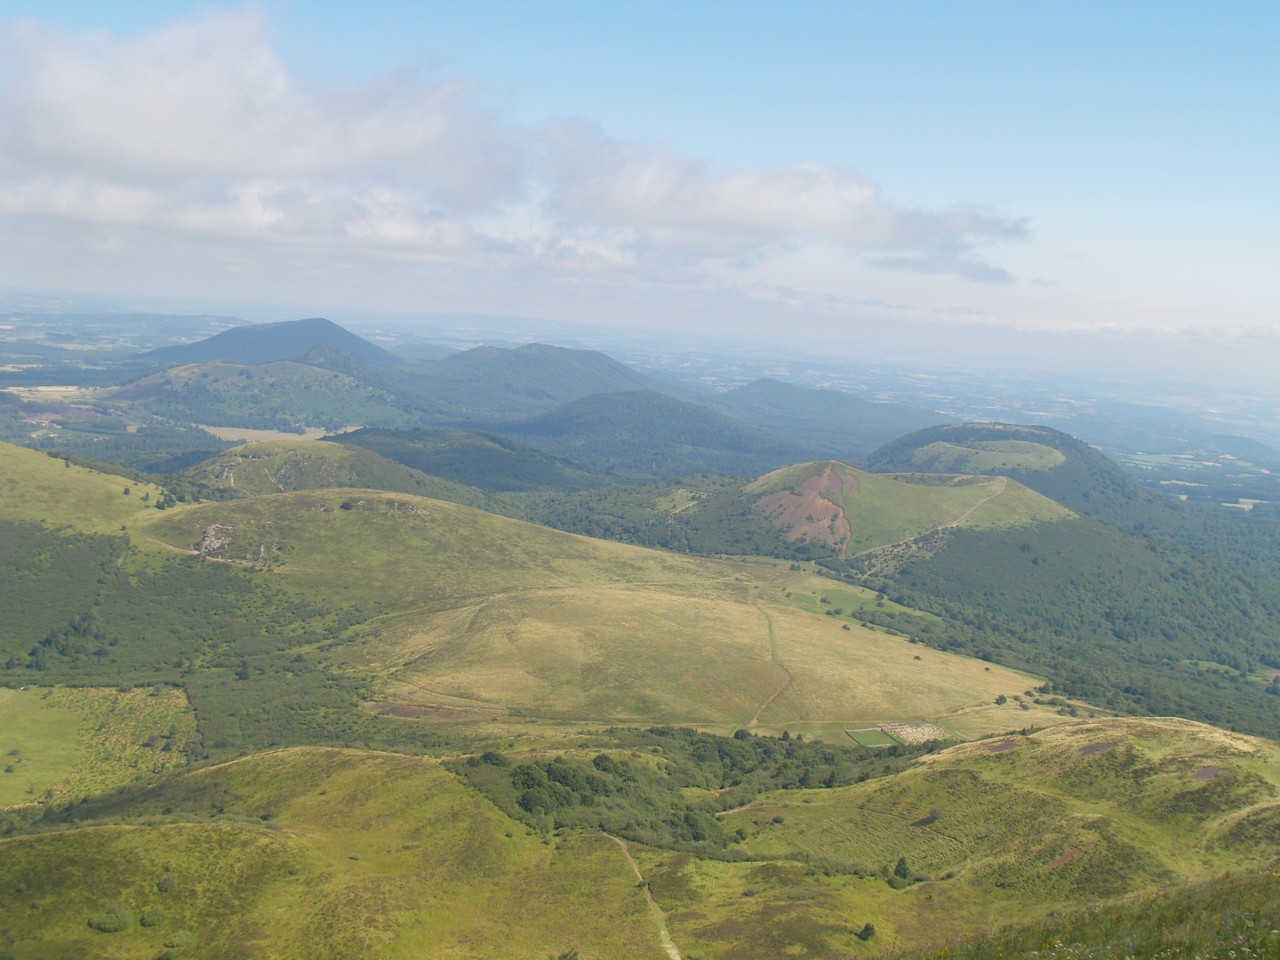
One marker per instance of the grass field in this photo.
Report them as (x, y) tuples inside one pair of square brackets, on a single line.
[(76, 742), (283, 465), (987, 456), (37, 488), (1014, 827), (468, 610), (322, 854), (881, 509)]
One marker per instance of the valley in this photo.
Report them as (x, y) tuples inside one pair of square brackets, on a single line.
[(541, 656)]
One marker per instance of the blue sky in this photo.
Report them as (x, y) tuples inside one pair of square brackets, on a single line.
[(976, 173)]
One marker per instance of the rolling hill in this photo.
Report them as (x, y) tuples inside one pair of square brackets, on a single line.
[(280, 466), (492, 383), (322, 854), (646, 434), (1016, 827), (302, 603), (853, 511), (472, 457), (268, 342), (345, 853), (248, 628), (1049, 461), (829, 423), (474, 612), (279, 395)]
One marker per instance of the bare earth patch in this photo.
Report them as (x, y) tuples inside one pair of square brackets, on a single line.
[(1092, 748), (1208, 773), (1066, 858), (913, 732), (810, 514), (1004, 746), (410, 710)]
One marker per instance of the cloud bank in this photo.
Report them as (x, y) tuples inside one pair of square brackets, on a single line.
[(198, 133)]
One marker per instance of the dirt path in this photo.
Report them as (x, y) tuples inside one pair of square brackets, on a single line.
[(659, 918), (1004, 483), (903, 549), (773, 655)]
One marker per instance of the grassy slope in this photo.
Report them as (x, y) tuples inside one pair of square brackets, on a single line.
[(312, 853), (476, 459), (885, 509), (276, 466), (267, 395), (986, 456), (1043, 825), (76, 742), (36, 488), (465, 608)]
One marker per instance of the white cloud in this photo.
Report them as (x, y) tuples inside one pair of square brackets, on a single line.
[(662, 194), (198, 130)]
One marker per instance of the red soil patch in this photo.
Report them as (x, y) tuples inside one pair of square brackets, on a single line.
[(811, 514), (1066, 858), (1004, 746), (1092, 748), (1208, 773), (407, 710)]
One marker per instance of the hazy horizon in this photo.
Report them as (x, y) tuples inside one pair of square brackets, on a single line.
[(1063, 187)]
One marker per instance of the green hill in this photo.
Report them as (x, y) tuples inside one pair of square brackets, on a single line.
[(318, 854), (280, 395), (829, 423), (38, 488), (490, 383), (1010, 829), (474, 458), (280, 466), (257, 344), (645, 434), (453, 607), (853, 511), (384, 619), (278, 614), (1049, 461)]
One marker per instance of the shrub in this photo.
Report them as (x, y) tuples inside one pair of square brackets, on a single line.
[(112, 920), (167, 883), (153, 916)]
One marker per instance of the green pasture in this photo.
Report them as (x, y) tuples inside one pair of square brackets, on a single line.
[(284, 465), (319, 854), (883, 509), (73, 742), (1021, 825), (988, 457), (871, 737), (37, 488)]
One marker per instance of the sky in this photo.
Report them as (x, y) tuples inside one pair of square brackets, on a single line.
[(1075, 184)]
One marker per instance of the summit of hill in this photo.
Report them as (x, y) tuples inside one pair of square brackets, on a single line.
[(267, 342)]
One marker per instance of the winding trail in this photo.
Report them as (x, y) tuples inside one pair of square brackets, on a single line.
[(773, 655), (903, 549), (1004, 484), (659, 919)]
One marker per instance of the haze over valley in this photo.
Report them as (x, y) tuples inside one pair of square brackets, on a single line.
[(730, 482)]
